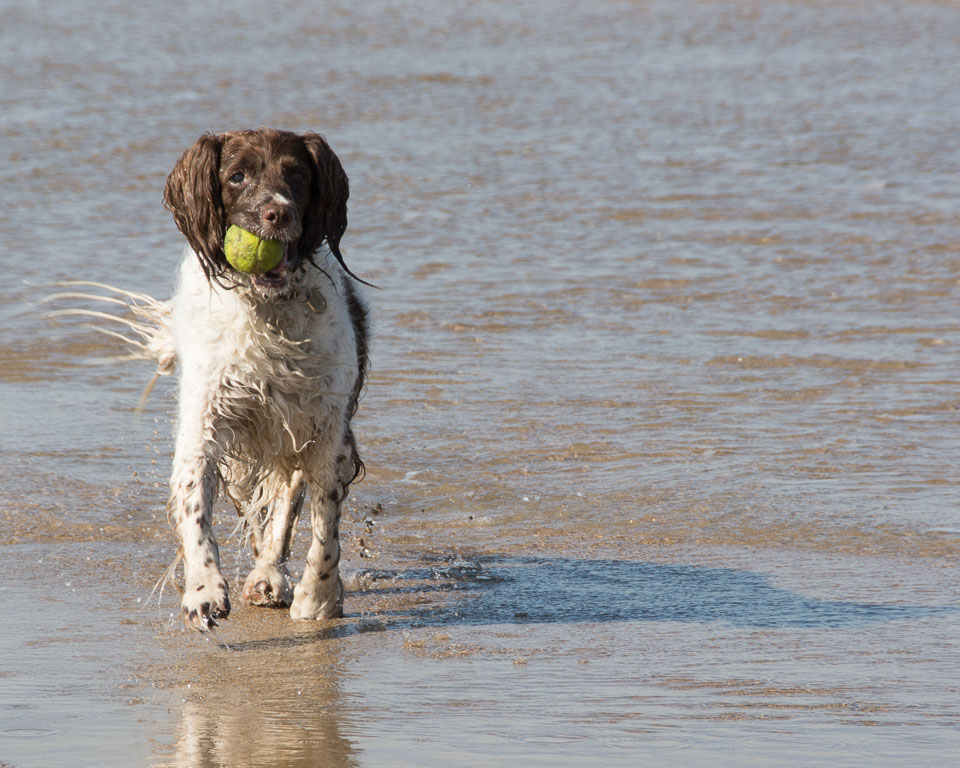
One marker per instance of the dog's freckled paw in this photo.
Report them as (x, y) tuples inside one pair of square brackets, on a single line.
[(311, 605), (204, 604), (268, 586)]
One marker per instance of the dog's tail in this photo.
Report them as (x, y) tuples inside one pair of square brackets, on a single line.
[(149, 335)]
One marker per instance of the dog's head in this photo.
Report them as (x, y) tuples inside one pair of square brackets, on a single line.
[(279, 185)]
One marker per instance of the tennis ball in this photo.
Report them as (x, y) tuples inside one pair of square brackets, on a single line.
[(246, 252)]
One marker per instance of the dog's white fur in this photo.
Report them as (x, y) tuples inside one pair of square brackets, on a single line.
[(264, 392)]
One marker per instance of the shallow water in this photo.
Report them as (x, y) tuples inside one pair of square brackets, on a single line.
[(661, 428)]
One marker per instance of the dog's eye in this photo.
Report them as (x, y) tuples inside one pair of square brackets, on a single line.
[(237, 178)]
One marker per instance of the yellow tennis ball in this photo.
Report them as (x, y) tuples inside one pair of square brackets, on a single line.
[(246, 252)]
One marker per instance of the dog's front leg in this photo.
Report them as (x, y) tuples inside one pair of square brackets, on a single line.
[(319, 595), (193, 489)]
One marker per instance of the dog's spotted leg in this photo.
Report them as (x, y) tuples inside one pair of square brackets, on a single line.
[(319, 595), (194, 482), (193, 486), (269, 582)]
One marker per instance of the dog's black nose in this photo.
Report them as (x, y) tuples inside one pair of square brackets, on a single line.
[(276, 215)]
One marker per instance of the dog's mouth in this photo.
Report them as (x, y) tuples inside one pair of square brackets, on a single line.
[(277, 280)]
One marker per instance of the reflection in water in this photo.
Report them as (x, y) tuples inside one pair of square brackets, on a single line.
[(242, 734), (262, 703)]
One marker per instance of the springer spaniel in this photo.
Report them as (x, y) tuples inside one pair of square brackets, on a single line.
[(271, 366)]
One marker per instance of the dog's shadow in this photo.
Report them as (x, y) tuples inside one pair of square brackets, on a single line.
[(492, 591), (562, 591)]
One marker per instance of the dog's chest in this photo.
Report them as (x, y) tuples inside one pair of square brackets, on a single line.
[(294, 351), (276, 375), (294, 346)]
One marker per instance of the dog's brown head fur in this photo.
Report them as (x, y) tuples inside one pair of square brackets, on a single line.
[(280, 185)]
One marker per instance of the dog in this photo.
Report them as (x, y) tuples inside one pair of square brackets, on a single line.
[(271, 366)]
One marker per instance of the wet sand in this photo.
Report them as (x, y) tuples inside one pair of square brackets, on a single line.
[(661, 429)]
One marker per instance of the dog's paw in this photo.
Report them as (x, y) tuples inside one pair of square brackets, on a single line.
[(204, 603), (268, 585), (314, 602)]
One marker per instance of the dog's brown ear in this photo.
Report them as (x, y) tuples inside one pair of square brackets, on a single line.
[(192, 195), (325, 219)]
